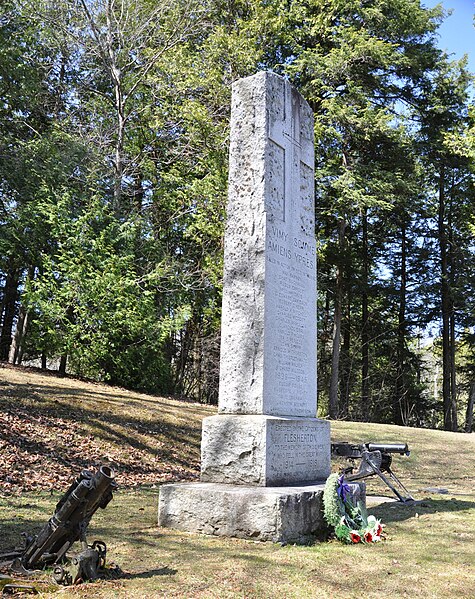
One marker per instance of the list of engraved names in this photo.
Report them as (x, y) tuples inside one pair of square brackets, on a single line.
[(291, 264)]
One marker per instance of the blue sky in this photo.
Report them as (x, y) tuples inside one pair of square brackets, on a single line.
[(457, 33)]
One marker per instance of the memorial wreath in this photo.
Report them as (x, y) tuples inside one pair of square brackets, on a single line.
[(349, 519)]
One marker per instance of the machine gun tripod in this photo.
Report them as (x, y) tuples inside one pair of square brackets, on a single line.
[(375, 459)]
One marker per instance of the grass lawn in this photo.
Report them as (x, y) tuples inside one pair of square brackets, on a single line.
[(50, 428)]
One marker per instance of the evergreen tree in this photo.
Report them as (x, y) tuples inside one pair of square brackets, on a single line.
[(360, 65)]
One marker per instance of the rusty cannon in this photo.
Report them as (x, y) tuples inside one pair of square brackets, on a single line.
[(89, 492)]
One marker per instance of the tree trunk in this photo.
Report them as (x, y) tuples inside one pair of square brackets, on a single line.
[(365, 398), (180, 385), (449, 423), (119, 157), (334, 378), (345, 358), (21, 342), (400, 412), (453, 370), (62, 364), (198, 365), (16, 349), (452, 316), (117, 82), (345, 377), (7, 310), (469, 412)]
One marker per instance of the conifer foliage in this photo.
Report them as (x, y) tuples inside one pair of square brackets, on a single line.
[(113, 168)]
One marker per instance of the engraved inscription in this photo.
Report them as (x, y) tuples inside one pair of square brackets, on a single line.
[(289, 349), (291, 358), (298, 450), (275, 196)]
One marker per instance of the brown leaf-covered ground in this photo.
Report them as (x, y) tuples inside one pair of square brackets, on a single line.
[(51, 428)]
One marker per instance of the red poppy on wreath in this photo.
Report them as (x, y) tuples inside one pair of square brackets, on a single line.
[(355, 537), (368, 537), (379, 531)]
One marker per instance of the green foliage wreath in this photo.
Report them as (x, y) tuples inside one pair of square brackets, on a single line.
[(351, 522)]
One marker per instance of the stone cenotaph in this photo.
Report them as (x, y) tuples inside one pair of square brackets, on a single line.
[(265, 455)]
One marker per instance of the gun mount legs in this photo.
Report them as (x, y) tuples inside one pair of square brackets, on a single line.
[(375, 459)]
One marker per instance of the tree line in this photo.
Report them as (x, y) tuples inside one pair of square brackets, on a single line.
[(114, 118)]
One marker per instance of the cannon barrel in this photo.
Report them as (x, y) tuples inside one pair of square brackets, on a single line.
[(71, 517), (400, 448)]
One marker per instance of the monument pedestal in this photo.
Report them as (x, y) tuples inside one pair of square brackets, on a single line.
[(264, 450), (278, 514)]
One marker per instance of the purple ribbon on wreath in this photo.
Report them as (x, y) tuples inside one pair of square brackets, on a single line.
[(343, 488)]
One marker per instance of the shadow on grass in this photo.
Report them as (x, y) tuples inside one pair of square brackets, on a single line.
[(28, 402), (165, 571), (13, 532), (26, 513), (116, 394), (397, 512)]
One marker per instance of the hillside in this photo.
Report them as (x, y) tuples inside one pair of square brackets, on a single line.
[(50, 428)]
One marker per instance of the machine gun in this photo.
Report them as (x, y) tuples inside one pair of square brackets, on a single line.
[(68, 525), (375, 459)]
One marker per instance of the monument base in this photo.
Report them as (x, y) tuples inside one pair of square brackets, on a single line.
[(279, 514), (265, 451)]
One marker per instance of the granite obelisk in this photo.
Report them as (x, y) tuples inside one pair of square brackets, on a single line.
[(265, 452)]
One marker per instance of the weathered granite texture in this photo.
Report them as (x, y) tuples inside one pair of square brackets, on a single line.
[(268, 342), (264, 450), (279, 514), (266, 434)]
